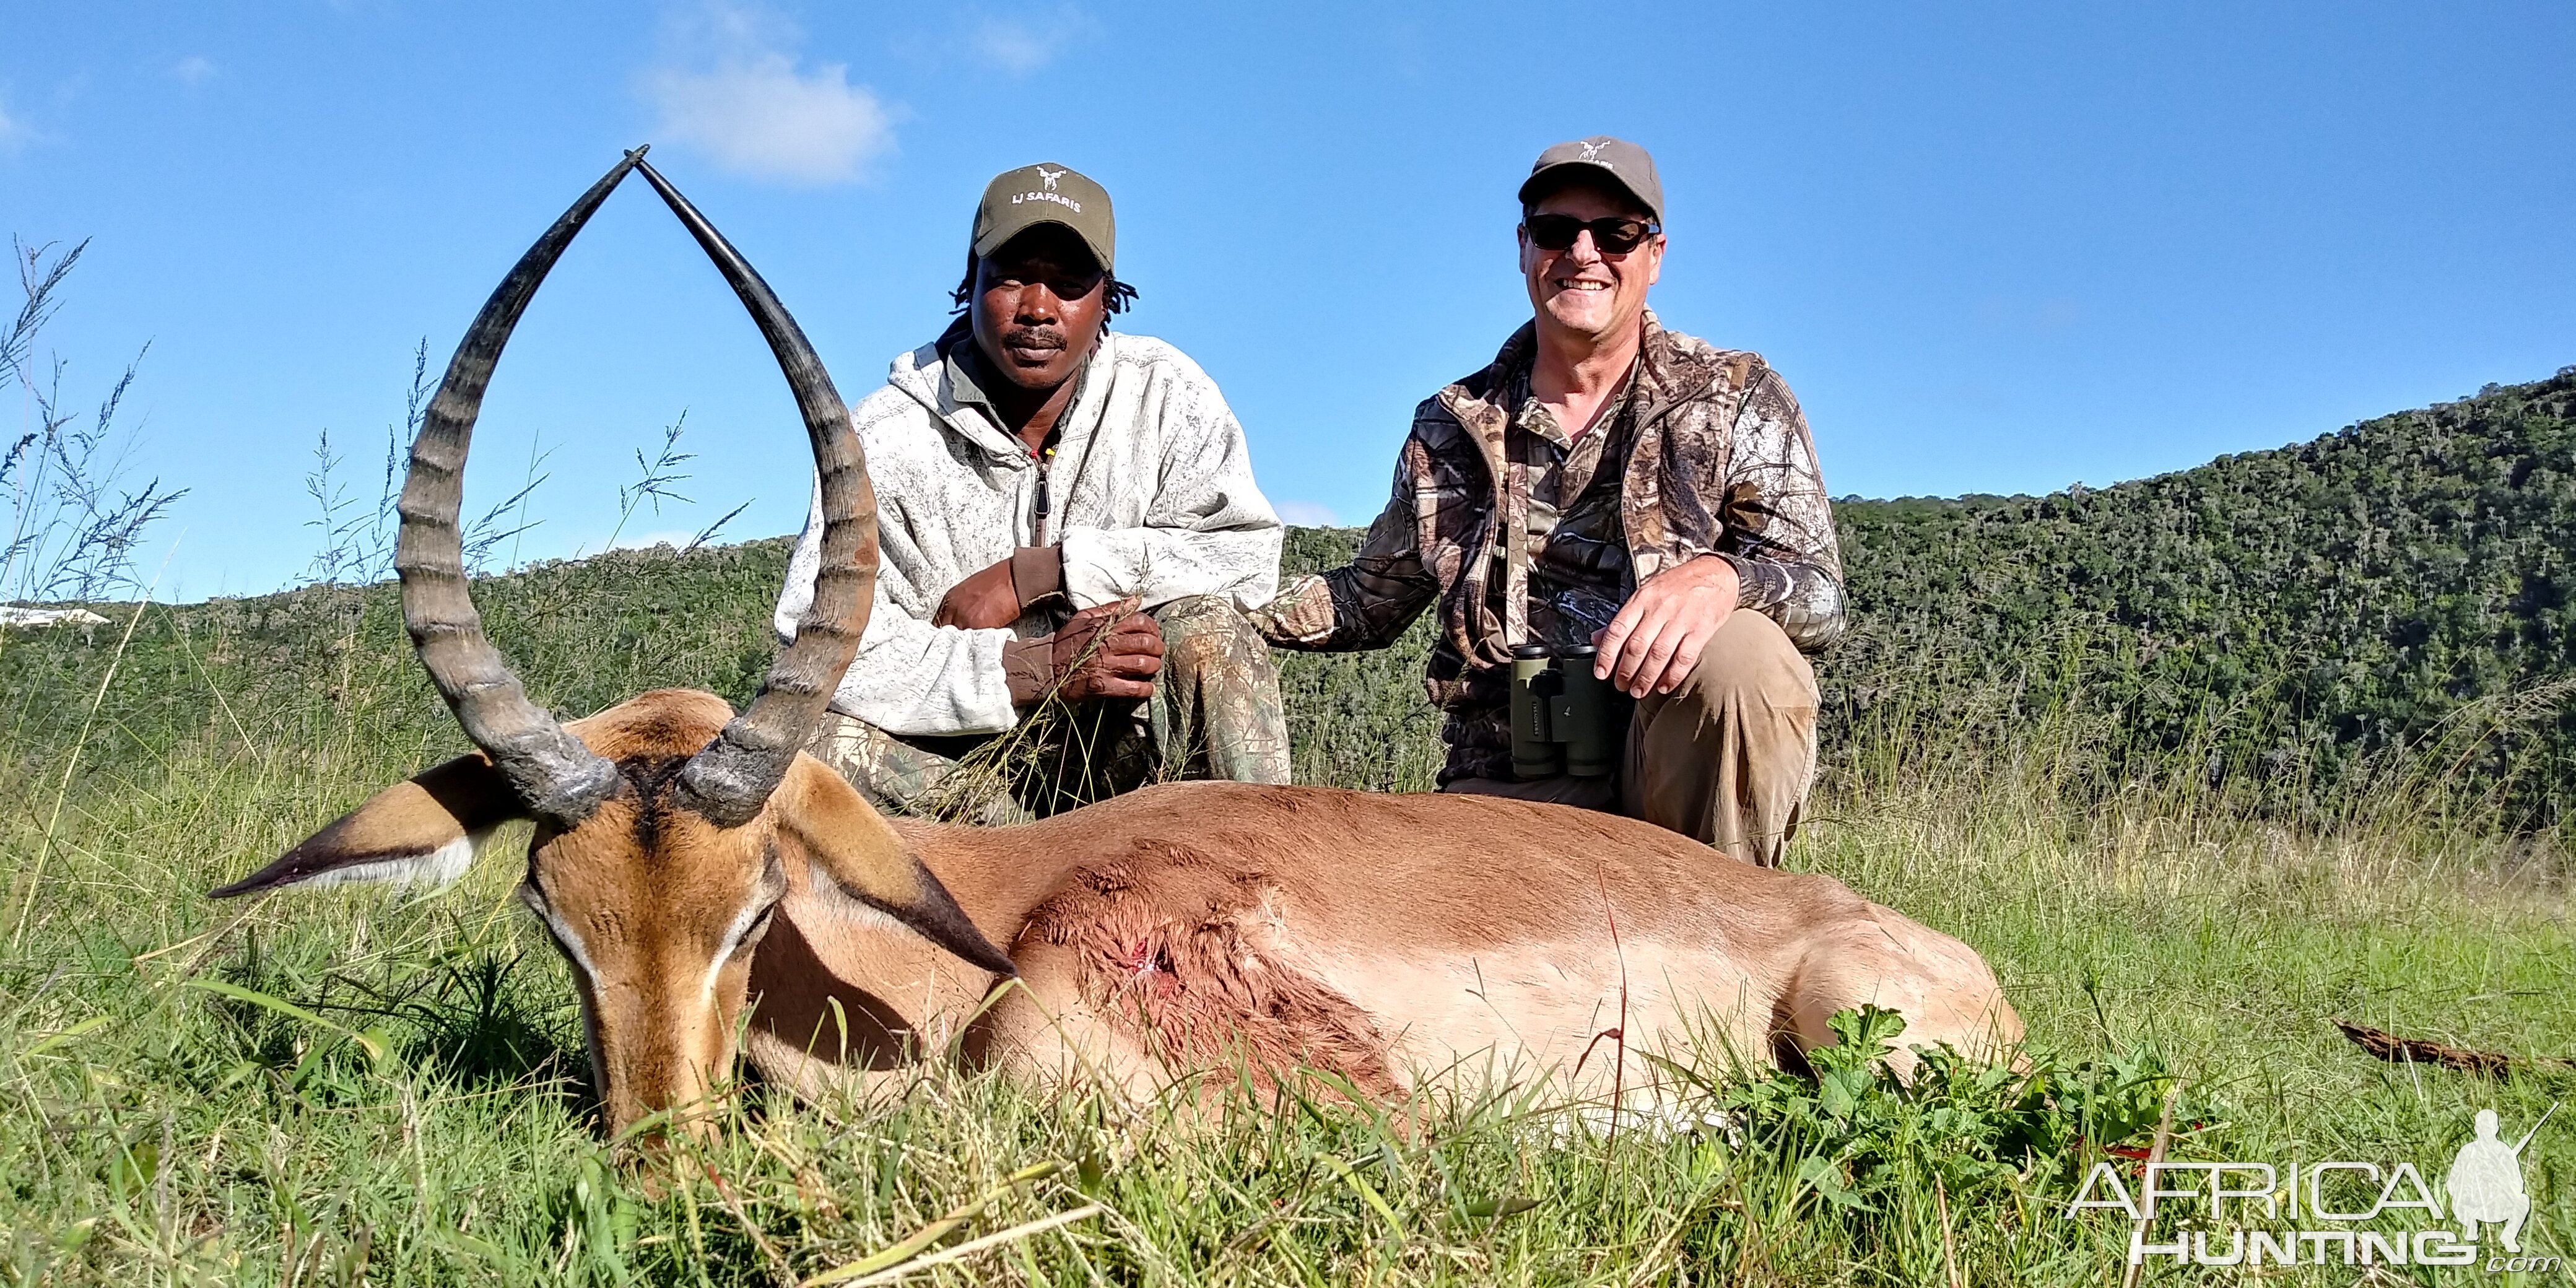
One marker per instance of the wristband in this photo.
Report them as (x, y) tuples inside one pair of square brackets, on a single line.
[(1028, 668), (1037, 573)]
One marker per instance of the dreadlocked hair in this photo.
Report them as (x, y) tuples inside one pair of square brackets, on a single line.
[(1120, 296)]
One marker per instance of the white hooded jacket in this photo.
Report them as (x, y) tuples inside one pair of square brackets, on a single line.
[(1150, 494)]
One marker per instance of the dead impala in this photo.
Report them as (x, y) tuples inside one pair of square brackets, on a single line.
[(690, 862)]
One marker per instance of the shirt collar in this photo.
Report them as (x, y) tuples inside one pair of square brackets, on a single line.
[(1529, 413)]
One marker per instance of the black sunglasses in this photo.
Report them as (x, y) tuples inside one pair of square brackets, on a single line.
[(1615, 235)]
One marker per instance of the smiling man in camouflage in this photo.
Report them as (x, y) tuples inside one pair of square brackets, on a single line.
[(1070, 539), (1607, 482)]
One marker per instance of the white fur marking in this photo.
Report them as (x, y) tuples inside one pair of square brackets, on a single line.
[(732, 940), (861, 914), (438, 869), (571, 944)]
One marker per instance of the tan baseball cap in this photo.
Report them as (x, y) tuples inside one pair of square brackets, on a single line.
[(1599, 159), (1046, 193)]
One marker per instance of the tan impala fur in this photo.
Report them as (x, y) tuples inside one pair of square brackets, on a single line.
[(1396, 940)]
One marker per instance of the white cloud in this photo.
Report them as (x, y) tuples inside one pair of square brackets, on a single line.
[(1307, 514), (14, 133), (1021, 46), (731, 27), (763, 118), (195, 69), (756, 113)]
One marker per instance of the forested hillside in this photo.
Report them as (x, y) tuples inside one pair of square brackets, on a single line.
[(2286, 621)]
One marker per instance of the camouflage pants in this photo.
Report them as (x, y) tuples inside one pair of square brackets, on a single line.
[(1215, 713)]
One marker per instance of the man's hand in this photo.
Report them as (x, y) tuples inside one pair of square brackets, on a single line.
[(985, 600), (1655, 640), (1127, 656)]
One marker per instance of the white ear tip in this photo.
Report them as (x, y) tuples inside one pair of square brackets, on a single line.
[(446, 865), (438, 869)]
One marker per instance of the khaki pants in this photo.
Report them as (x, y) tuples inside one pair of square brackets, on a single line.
[(1215, 713), (1726, 758)]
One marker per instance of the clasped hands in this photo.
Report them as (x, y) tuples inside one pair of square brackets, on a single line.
[(1656, 639), (1113, 651), (1105, 651)]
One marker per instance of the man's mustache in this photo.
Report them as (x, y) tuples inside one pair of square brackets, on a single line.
[(1033, 338)]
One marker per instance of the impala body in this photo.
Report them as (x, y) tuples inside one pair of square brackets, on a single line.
[(1402, 942), (690, 863)]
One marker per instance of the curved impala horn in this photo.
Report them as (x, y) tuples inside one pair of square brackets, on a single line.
[(729, 781), (553, 773)]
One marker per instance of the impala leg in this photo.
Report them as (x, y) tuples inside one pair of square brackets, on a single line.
[(816, 1080), (1945, 991), (1045, 1029)]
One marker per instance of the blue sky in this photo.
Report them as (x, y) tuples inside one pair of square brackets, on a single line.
[(1994, 248)]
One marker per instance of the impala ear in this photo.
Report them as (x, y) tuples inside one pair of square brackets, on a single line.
[(425, 829), (853, 848)]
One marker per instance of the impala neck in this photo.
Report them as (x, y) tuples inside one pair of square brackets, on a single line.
[(998, 875), (826, 972)]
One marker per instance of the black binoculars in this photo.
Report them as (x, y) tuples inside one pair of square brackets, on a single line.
[(1564, 721)]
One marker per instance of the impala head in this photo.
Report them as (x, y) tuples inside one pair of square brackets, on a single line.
[(667, 827)]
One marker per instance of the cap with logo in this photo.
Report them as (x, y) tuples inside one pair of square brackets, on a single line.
[(1019, 200), (1599, 159)]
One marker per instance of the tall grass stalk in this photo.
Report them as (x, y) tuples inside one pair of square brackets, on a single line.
[(75, 530), (35, 870)]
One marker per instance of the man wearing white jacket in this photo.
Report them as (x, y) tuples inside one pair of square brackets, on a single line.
[(1071, 537)]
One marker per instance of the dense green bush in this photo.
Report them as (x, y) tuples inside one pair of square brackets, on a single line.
[(2288, 624)]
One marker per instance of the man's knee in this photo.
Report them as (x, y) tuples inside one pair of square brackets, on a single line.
[(889, 773), (1750, 663), (1201, 632)]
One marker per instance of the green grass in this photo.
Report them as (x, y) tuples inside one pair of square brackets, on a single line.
[(417, 1116)]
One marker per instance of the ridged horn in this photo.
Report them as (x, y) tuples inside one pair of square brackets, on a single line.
[(731, 778), (555, 775)]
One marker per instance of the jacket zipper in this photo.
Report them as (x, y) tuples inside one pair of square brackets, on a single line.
[(1039, 524)]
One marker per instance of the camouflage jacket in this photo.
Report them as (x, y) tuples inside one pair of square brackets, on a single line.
[(1717, 461)]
